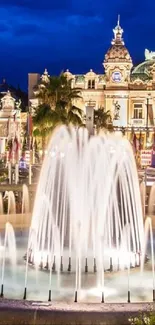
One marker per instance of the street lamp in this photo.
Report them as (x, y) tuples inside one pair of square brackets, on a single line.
[(147, 116)]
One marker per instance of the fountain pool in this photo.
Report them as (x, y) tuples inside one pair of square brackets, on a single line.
[(87, 237)]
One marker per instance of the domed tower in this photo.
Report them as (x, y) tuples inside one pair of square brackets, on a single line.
[(117, 62)]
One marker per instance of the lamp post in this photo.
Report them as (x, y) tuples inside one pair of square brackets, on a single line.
[(147, 116)]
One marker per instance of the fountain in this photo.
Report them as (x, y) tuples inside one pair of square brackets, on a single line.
[(10, 243), (87, 208), (25, 200), (11, 203), (87, 237)]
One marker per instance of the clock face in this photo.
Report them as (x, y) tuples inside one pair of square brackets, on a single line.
[(116, 76)]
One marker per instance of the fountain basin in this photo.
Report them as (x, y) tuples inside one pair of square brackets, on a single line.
[(87, 202), (18, 312)]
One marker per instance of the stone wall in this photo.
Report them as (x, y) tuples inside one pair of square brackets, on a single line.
[(34, 313), (18, 221)]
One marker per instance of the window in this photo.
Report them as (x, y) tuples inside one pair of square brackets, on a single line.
[(138, 111), (91, 84)]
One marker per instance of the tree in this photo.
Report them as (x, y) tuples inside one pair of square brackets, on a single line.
[(102, 119), (56, 106), (42, 120), (57, 92)]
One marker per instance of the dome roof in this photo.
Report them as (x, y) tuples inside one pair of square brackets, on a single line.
[(144, 67), (117, 52)]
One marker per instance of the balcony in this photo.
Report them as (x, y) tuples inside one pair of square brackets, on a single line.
[(137, 122)]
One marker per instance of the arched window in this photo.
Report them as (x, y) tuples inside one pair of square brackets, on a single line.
[(91, 84)]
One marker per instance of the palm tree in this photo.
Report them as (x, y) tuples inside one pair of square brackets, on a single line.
[(56, 106), (57, 92), (102, 119), (42, 120)]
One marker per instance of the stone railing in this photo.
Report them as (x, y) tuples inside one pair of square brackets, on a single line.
[(138, 122)]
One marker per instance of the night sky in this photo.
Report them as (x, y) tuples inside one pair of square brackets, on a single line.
[(73, 34)]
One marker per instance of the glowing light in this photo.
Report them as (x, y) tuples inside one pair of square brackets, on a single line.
[(40, 257), (97, 291), (62, 155), (53, 153)]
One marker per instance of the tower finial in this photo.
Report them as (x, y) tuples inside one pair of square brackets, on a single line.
[(118, 20), (118, 31)]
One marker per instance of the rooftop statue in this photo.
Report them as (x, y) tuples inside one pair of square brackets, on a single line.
[(149, 55), (45, 76)]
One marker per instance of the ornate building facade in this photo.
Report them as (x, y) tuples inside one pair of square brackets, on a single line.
[(12, 122), (127, 92)]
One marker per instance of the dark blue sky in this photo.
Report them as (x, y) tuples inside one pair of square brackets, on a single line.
[(74, 34)]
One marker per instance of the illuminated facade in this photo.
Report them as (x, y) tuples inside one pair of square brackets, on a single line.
[(127, 92), (12, 121)]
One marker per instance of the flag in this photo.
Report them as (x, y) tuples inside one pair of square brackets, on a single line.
[(31, 144), (135, 143), (153, 139), (150, 114), (16, 148), (10, 145), (140, 141)]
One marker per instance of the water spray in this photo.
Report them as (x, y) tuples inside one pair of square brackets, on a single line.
[(61, 264), (86, 266), (49, 295), (25, 294), (54, 265), (2, 291), (69, 265), (102, 300), (95, 269), (75, 300)]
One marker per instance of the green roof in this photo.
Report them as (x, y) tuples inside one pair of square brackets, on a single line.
[(144, 67)]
